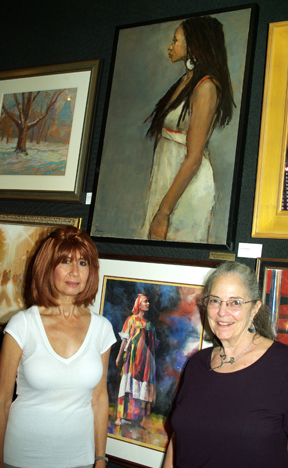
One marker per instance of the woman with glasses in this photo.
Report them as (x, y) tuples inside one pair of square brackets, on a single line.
[(232, 406)]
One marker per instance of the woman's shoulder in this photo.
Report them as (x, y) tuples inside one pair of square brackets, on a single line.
[(205, 85), (201, 355), (279, 348), (100, 319), (23, 315)]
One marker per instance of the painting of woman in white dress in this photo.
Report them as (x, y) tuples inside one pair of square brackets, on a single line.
[(181, 192), (173, 136)]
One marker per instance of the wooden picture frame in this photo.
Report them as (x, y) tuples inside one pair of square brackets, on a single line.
[(46, 115), (269, 220), (140, 74), (121, 277), (273, 280), (20, 235)]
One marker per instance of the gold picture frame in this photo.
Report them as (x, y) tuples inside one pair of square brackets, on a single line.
[(20, 236), (269, 221)]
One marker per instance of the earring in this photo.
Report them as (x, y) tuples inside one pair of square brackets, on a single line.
[(189, 64), (251, 329)]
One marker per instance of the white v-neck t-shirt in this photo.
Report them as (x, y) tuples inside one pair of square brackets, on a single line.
[(51, 423)]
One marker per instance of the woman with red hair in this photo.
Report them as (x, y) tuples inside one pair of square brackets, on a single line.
[(138, 386), (58, 350)]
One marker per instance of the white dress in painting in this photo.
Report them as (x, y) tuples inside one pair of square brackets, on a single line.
[(191, 218)]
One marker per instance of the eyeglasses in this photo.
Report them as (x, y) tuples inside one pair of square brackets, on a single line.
[(232, 304)]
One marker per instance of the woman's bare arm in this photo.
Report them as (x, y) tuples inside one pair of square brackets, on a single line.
[(100, 405), (169, 457), (121, 351), (9, 360), (203, 105)]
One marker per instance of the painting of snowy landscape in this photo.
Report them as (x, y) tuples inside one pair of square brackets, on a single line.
[(35, 129)]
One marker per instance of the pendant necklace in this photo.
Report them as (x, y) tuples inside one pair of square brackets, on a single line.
[(223, 357)]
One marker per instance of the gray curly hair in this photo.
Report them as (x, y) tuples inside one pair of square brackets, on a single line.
[(262, 321)]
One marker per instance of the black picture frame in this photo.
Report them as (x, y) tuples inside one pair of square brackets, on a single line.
[(122, 177)]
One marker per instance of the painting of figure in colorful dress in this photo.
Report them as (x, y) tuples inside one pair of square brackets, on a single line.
[(138, 375), (158, 326)]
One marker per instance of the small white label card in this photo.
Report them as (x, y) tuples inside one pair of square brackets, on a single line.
[(249, 250)]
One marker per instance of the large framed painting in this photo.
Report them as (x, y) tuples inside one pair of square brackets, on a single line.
[(174, 330), (46, 114), (273, 280), (174, 120), (20, 236), (270, 217)]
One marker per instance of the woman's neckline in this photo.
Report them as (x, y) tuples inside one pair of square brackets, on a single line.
[(50, 347), (244, 368)]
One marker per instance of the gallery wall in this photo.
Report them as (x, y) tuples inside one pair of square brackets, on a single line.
[(54, 32)]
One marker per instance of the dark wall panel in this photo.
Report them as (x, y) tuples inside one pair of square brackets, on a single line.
[(37, 33)]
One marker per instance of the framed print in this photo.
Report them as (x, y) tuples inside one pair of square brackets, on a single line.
[(147, 188), (273, 279), (270, 217), (138, 434), (46, 115), (20, 236)]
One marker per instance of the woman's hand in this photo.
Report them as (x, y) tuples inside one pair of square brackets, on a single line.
[(203, 104), (118, 361), (159, 226)]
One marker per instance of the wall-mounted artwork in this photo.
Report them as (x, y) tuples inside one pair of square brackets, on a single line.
[(273, 279), (270, 217), (172, 329), (45, 120), (172, 127), (45, 132), (19, 238)]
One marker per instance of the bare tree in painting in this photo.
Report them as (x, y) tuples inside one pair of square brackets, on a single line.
[(21, 118), (6, 128)]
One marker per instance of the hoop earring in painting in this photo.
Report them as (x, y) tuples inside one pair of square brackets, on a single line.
[(189, 64)]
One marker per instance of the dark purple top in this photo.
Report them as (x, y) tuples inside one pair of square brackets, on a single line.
[(239, 419)]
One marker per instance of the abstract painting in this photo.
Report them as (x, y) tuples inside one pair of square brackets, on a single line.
[(20, 236), (273, 279)]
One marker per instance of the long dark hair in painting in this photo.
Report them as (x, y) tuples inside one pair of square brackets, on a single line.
[(206, 48), (181, 198)]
